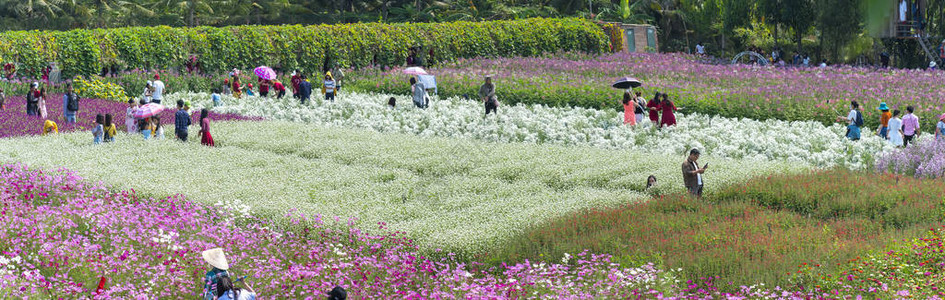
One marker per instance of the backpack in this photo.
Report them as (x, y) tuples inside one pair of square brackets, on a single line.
[(859, 119), (73, 102)]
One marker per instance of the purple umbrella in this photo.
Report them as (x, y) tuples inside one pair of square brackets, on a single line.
[(265, 73), (626, 83)]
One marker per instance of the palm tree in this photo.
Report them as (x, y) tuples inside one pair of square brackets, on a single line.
[(381, 6), (670, 14), (104, 10), (188, 8), (29, 9), (626, 13), (410, 13)]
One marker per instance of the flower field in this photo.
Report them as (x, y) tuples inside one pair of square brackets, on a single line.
[(14, 121), (808, 143), (546, 199), (759, 231), (732, 91), (444, 192), (61, 235)]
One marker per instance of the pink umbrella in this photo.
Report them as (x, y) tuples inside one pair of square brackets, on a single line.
[(148, 110), (415, 71), (265, 73)]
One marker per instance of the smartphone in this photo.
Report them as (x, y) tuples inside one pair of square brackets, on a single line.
[(705, 166)]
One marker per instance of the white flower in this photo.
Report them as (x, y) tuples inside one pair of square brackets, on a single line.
[(802, 142), (566, 258), (443, 192)]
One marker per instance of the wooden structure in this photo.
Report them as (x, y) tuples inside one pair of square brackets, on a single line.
[(639, 38), (902, 18), (905, 19)]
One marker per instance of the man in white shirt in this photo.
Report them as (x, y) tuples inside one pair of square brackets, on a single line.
[(700, 49), (157, 89)]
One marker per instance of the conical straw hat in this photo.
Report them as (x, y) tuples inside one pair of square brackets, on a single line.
[(215, 258)]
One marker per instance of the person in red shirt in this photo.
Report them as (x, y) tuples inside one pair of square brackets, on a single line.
[(280, 89), (237, 93), (654, 107), (264, 88), (296, 80)]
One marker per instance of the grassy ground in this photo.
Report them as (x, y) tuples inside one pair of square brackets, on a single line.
[(454, 194), (765, 230)]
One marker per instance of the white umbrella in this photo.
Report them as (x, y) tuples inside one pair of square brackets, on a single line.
[(415, 71)]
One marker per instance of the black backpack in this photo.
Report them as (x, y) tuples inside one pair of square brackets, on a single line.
[(859, 119), (73, 102)]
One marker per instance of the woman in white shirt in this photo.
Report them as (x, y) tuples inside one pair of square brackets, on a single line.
[(895, 129)]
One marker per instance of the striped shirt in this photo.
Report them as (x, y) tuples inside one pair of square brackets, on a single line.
[(329, 86)]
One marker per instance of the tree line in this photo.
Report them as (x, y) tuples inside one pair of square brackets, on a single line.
[(831, 29)]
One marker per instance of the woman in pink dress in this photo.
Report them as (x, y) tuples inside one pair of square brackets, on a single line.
[(629, 106), (205, 137), (669, 109)]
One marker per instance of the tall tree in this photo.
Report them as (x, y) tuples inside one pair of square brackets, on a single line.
[(773, 13), (800, 15), (840, 22)]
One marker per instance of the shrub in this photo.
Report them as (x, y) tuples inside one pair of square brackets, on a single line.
[(85, 52)]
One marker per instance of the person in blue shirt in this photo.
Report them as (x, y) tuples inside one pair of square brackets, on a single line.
[(215, 97), (305, 89), (181, 121)]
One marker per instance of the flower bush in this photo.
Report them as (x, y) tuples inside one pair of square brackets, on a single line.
[(924, 160), (906, 269), (444, 192), (792, 94), (14, 121), (95, 88), (808, 143), (61, 235)]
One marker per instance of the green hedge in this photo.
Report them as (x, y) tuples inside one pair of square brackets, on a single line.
[(85, 52)]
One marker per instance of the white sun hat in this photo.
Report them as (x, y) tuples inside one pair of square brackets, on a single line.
[(216, 258)]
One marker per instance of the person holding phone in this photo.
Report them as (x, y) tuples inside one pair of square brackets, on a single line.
[(692, 174)]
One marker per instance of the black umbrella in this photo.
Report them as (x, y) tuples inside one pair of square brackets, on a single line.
[(626, 83)]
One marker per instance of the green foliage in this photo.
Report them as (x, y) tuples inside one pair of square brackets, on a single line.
[(85, 52)]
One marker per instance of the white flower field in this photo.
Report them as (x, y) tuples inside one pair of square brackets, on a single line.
[(804, 142), (459, 195)]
